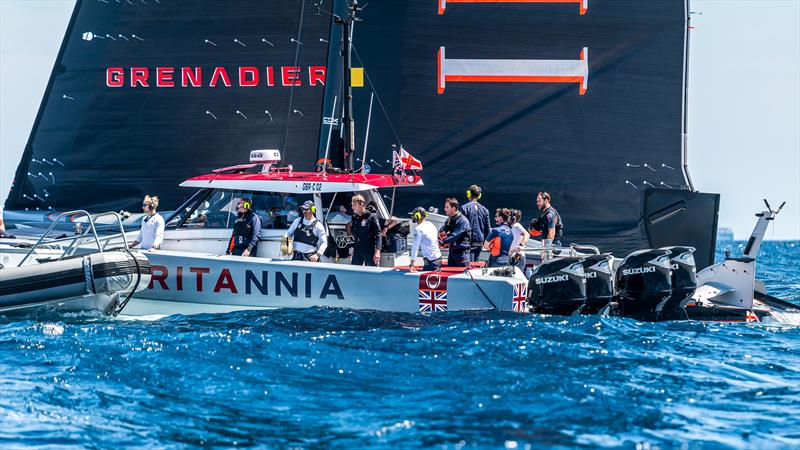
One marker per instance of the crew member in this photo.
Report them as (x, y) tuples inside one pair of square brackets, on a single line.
[(366, 233), (3, 234), (521, 237), (478, 217), (151, 232), (456, 234), (309, 234), (246, 230), (549, 222), (425, 239), (499, 240)]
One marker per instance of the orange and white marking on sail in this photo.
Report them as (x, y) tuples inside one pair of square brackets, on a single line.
[(583, 4), (514, 70)]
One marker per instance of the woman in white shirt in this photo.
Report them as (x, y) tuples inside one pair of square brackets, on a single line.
[(426, 238), (521, 237), (151, 233)]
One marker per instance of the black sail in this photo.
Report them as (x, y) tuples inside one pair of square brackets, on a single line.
[(99, 147), (583, 99), (603, 142)]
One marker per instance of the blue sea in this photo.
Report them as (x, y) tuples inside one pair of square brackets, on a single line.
[(329, 378)]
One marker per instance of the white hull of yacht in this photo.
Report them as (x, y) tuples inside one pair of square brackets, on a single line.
[(187, 283)]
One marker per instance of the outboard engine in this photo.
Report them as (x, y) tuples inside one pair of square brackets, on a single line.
[(558, 287), (684, 282), (599, 283), (644, 282)]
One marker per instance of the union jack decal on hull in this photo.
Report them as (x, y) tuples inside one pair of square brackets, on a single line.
[(520, 300), (433, 292), (432, 301)]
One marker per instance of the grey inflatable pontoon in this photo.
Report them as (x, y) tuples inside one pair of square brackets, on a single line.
[(80, 277), (96, 282)]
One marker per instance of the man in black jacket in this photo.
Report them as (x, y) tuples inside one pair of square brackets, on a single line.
[(478, 217), (366, 231), (548, 225), (246, 231), (456, 234)]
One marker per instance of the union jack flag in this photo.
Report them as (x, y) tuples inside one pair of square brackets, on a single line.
[(432, 300), (520, 297)]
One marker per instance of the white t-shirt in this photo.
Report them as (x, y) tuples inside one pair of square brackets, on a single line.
[(319, 232), (518, 231), (151, 233), (426, 238)]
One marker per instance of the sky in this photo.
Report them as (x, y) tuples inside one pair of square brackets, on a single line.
[(744, 99)]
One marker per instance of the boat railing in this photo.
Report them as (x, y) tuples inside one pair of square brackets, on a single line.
[(86, 234)]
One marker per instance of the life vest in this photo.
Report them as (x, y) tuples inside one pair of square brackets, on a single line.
[(305, 233), (537, 226), (242, 231)]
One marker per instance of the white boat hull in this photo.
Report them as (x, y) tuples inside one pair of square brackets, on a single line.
[(209, 283)]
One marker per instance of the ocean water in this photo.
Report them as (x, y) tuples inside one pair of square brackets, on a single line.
[(330, 378)]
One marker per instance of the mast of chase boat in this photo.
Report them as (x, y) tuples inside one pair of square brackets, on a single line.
[(347, 46)]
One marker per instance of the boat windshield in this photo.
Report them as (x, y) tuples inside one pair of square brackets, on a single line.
[(218, 209)]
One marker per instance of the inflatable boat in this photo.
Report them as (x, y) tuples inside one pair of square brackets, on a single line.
[(102, 281)]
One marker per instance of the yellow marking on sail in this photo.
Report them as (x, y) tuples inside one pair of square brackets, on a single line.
[(357, 76)]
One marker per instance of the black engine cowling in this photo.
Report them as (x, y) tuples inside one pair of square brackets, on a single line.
[(557, 287), (684, 282), (644, 282), (599, 283)]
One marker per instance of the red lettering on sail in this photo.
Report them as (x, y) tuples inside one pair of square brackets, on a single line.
[(139, 75), (164, 77), (115, 77), (220, 72), (316, 74), (191, 76), (248, 76), (290, 75)]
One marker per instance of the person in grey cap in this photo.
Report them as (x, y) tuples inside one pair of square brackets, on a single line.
[(309, 234)]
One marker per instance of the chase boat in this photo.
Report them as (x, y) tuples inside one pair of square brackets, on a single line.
[(189, 275)]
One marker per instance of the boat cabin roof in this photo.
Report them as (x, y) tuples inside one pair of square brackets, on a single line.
[(288, 181)]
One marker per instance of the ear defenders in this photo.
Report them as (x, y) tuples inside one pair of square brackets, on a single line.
[(246, 204), (418, 215), (469, 195)]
